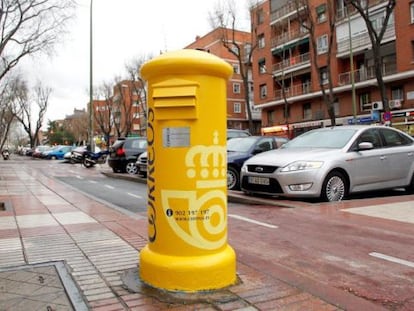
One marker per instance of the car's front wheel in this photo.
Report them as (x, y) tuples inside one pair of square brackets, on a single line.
[(334, 187), (233, 178), (131, 168)]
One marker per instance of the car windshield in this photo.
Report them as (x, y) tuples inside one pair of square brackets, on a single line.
[(240, 144), (334, 138)]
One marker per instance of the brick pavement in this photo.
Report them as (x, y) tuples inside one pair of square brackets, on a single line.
[(44, 221)]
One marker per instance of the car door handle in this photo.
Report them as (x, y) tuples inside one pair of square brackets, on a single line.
[(410, 154), (383, 157)]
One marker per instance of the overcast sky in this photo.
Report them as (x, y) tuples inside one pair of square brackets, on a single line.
[(122, 30)]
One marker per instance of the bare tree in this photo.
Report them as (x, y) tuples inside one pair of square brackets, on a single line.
[(77, 124), (138, 87), (322, 65), (9, 93), (103, 111), (24, 106), (30, 26), (224, 17), (376, 34)]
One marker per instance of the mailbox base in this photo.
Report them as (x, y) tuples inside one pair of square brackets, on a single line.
[(188, 273)]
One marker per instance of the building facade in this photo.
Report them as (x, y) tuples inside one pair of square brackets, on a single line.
[(237, 115), (121, 113), (292, 64)]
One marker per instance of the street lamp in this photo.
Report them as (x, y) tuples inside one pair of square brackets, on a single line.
[(90, 127)]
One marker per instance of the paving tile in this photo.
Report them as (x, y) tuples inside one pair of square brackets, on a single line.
[(8, 222), (73, 218), (36, 220)]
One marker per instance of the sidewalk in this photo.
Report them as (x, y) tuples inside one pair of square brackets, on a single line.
[(60, 250)]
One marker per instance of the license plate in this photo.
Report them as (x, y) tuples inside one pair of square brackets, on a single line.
[(259, 180)]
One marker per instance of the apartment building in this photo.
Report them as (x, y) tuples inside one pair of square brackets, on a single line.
[(288, 69), (121, 114), (212, 42)]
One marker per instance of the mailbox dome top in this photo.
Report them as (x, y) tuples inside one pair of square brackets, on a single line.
[(186, 61)]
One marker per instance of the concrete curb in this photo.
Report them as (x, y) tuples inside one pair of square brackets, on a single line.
[(233, 196)]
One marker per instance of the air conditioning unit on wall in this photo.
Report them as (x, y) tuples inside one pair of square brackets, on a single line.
[(377, 106), (395, 104)]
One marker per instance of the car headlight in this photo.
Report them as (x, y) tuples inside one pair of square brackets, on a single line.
[(244, 168), (301, 166)]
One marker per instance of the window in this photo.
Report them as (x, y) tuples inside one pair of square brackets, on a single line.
[(236, 68), (237, 108), (269, 115), (397, 93), (370, 136), (412, 12), (412, 50), (263, 91), (321, 13), (266, 144), (322, 44), (260, 16), (364, 102), (235, 50), (336, 109), (393, 139), (307, 111), (324, 75), (261, 41), (262, 66), (101, 108), (236, 88)]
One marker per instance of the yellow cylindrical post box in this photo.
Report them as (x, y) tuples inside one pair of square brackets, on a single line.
[(186, 174)]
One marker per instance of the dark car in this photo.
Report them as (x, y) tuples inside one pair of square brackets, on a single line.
[(240, 149), (124, 153)]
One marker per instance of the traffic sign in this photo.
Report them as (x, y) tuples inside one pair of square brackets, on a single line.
[(387, 116)]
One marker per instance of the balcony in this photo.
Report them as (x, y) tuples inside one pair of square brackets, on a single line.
[(291, 63), (342, 13), (289, 36), (361, 75), (362, 40), (285, 11), (295, 90)]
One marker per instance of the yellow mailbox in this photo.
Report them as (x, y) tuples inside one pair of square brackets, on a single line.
[(186, 176)]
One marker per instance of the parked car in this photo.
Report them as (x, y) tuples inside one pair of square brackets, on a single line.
[(331, 163), (141, 164), (232, 133), (56, 153), (38, 151), (124, 153), (242, 148)]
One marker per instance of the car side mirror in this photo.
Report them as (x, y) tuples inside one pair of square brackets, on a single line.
[(365, 146)]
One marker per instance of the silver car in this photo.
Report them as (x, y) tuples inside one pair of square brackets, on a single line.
[(331, 163)]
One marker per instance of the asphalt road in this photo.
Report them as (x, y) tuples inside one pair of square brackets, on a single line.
[(327, 249)]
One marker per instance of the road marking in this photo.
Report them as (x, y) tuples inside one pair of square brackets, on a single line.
[(252, 221), (393, 259), (109, 187), (134, 195)]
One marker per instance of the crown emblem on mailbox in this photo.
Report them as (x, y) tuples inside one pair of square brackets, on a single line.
[(207, 164)]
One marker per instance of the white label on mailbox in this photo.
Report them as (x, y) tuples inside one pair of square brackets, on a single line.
[(176, 137)]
